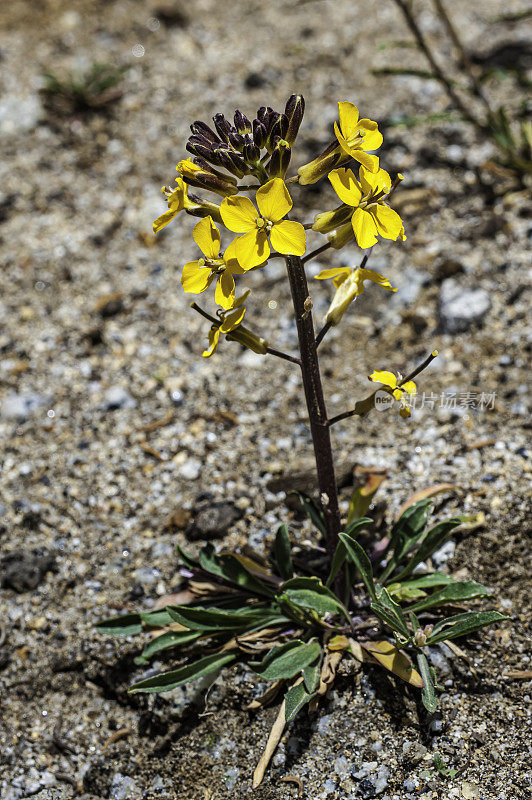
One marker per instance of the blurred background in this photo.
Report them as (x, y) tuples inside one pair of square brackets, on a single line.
[(119, 441)]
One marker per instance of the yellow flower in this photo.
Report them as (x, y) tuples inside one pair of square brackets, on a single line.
[(198, 275), (230, 325), (349, 284), (357, 136), (177, 200), (371, 216), (206, 177), (396, 388), (240, 216)]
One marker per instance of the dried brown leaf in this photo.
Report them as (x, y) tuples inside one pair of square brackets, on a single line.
[(271, 745)]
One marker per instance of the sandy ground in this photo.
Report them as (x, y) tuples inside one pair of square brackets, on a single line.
[(89, 516)]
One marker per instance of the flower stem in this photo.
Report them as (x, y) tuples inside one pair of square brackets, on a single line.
[(317, 411)]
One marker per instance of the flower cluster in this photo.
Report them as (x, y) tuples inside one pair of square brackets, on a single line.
[(224, 154)]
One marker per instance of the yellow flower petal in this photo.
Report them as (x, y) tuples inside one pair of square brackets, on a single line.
[(376, 277), (230, 259), (251, 249), (389, 223), (346, 186), (375, 182), (207, 237), (364, 227), (238, 214), (195, 279), (273, 200), (162, 221), (348, 116), (214, 336), (332, 273), (224, 295), (242, 299), (385, 377), (405, 412), (410, 388), (398, 394), (372, 136), (233, 320), (289, 238), (370, 162)]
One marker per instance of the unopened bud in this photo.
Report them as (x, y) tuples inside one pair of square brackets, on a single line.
[(202, 129), (279, 127), (199, 146), (236, 140), (263, 114), (222, 126), (196, 175), (242, 123), (341, 236), (259, 133), (249, 339), (232, 162), (295, 108), (280, 160), (331, 157), (251, 153), (327, 221)]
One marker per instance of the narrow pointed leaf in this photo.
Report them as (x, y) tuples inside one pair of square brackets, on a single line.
[(424, 494), (363, 495), (463, 624), (428, 693), (124, 625), (390, 612), (454, 593), (311, 593), (286, 660), (313, 511), (360, 559), (434, 539), (340, 553), (228, 567), (405, 533), (282, 552), (177, 677), (164, 641), (295, 698), (215, 619), (311, 676)]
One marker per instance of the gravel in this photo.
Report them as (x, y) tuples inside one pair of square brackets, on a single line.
[(118, 426)]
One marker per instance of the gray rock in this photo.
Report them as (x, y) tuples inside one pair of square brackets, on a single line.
[(116, 398), (20, 406), (18, 114), (443, 554), (124, 788), (212, 520), (23, 571), (460, 308)]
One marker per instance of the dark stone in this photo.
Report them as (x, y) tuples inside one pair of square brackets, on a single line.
[(23, 571), (367, 789), (212, 520)]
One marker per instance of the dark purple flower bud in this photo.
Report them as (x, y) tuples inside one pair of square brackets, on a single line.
[(198, 148), (242, 123), (280, 160), (222, 126), (251, 153), (202, 129), (236, 140), (279, 127), (232, 162), (263, 114), (259, 133), (295, 108)]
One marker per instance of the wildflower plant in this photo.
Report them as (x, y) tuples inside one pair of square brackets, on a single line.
[(293, 620)]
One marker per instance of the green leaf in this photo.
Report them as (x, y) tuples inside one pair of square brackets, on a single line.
[(463, 624), (311, 676), (124, 625), (282, 551), (310, 593), (428, 693), (360, 559), (390, 613), (215, 619), (405, 533), (295, 698), (340, 553), (177, 677), (286, 660), (164, 641), (433, 539), (455, 592), (156, 619), (228, 567), (313, 511)]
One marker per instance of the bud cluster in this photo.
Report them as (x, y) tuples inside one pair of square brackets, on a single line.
[(239, 148)]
